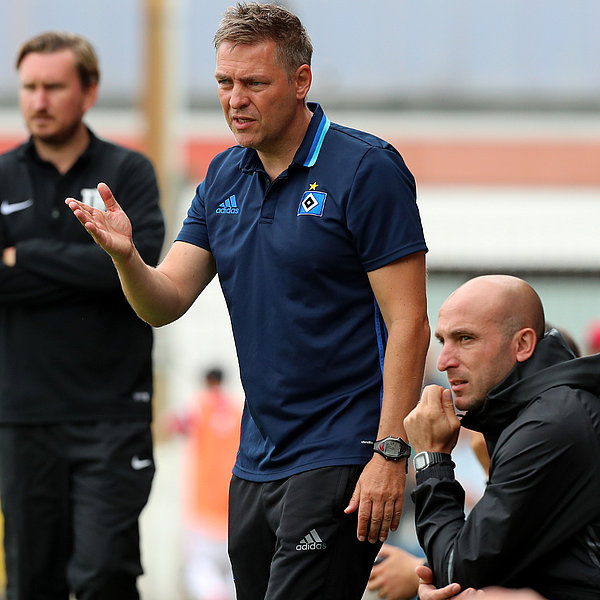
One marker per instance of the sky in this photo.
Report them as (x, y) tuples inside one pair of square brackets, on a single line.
[(383, 52)]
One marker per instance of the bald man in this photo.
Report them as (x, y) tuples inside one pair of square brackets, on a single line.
[(538, 522)]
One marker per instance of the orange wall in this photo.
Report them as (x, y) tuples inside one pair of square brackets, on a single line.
[(464, 162), (468, 162)]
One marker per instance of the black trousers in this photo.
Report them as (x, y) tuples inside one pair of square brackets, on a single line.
[(71, 496), (290, 539)]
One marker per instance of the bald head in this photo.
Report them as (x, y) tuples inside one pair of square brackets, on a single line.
[(506, 300), (487, 326)]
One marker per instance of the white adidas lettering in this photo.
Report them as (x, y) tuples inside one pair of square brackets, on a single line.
[(311, 541)]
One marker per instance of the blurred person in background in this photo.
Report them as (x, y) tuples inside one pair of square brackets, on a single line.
[(211, 424), (592, 338), (314, 231), (76, 459)]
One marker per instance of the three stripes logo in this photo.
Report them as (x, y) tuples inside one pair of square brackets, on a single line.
[(229, 207), (311, 541)]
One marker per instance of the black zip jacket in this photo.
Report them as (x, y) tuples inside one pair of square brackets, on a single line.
[(71, 348), (538, 522)]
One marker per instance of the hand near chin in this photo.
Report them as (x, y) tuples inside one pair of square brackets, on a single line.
[(433, 425)]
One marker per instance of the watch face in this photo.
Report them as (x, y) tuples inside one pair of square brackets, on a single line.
[(392, 448), (420, 461)]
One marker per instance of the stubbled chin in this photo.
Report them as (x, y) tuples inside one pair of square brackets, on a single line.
[(242, 140), (461, 403)]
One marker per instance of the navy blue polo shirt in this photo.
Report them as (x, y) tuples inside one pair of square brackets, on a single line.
[(292, 257)]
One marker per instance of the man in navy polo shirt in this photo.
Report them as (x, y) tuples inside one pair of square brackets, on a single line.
[(314, 231)]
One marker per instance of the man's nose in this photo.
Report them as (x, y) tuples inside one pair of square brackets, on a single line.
[(447, 358), (238, 97), (39, 98)]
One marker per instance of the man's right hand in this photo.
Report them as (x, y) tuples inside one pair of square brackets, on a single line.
[(111, 229), (432, 425)]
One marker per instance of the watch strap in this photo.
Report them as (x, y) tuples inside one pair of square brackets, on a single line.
[(379, 448), (424, 460)]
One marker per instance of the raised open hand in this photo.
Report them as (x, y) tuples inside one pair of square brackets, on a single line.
[(111, 229)]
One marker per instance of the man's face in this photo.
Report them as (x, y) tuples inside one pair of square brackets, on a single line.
[(476, 354), (52, 98), (258, 99)]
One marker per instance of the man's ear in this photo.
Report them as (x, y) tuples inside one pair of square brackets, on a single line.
[(525, 340), (90, 96), (303, 80)]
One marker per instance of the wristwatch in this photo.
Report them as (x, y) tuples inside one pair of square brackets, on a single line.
[(422, 460), (392, 448)]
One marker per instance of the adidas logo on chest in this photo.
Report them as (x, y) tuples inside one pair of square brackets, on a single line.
[(229, 207)]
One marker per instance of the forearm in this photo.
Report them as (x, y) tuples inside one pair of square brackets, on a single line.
[(400, 292), (519, 506), (404, 362), (150, 292), (161, 295), (439, 518), (399, 289)]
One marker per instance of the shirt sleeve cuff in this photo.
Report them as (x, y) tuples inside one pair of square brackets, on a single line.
[(444, 470)]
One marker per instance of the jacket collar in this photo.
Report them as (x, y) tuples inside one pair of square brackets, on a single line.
[(552, 364), (28, 151)]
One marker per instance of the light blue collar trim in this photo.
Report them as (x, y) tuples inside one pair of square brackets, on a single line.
[(313, 153)]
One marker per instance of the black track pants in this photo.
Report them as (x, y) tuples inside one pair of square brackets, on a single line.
[(71, 496), (290, 539)]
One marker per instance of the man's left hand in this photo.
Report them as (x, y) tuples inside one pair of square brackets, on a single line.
[(378, 497)]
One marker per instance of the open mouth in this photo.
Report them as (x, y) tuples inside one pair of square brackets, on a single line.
[(457, 385), (241, 122)]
